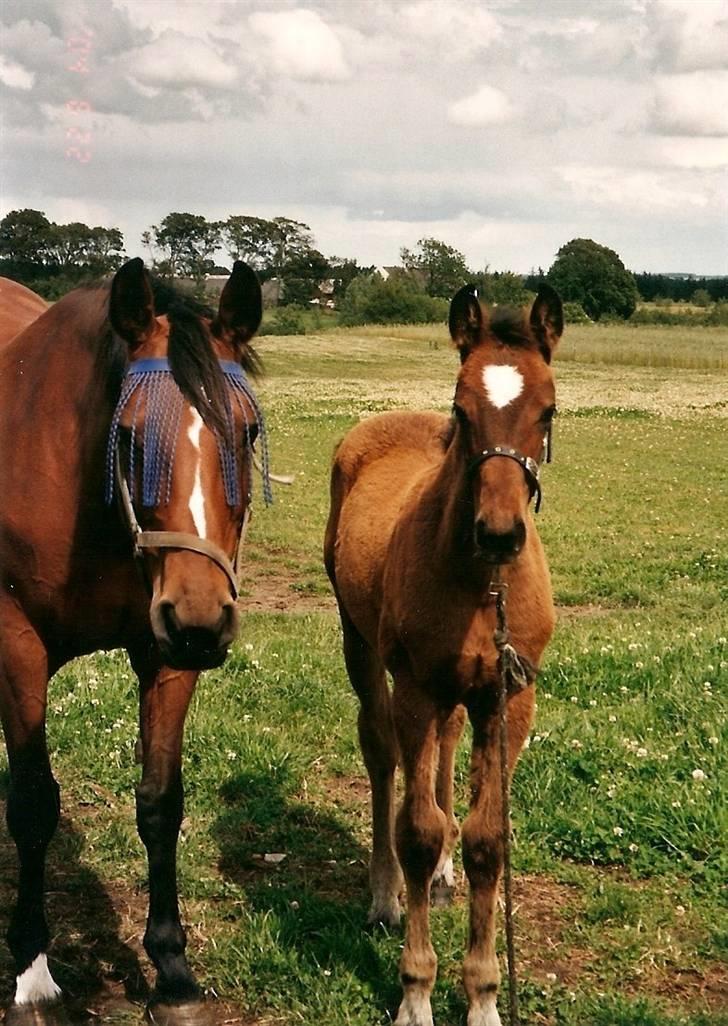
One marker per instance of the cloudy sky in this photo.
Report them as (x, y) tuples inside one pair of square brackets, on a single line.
[(503, 127)]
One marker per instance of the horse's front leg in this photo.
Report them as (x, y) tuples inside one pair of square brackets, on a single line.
[(483, 844), (165, 697), (443, 882), (420, 833), (32, 816)]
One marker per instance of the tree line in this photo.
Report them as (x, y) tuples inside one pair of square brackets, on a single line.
[(52, 258)]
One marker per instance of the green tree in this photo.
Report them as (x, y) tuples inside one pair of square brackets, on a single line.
[(701, 297), (443, 268), (503, 288), (25, 238), (250, 239), (592, 275), (302, 274), (188, 242), (370, 299)]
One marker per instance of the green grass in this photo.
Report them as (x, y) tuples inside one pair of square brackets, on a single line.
[(621, 850)]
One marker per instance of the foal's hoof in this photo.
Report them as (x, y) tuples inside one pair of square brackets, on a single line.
[(190, 1013), (42, 1013)]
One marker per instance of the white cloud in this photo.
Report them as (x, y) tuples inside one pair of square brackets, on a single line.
[(691, 34), (486, 106), (452, 24), (302, 46), (14, 75), (695, 153), (692, 104), (179, 60), (628, 189)]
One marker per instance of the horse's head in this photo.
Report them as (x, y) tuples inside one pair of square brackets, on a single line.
[(180, 454), (504, 404)]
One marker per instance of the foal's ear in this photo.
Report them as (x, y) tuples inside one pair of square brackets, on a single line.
[(241, 306), (547, 320), (131, 305), (466, 320)]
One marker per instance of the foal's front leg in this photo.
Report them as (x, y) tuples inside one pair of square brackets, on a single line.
[(421, 828), (483, 844), (165, 697)]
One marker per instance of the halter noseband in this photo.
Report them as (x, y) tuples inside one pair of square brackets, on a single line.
[(528, 465)]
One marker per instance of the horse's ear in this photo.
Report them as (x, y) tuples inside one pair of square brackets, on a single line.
[(547, 319), (466, 320), (131, 305), (241, 306)]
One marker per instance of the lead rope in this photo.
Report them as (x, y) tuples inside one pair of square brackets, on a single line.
[(513, 676)]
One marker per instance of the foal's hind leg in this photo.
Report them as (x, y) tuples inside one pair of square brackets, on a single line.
[(32, 813), (165, 697), (443, 882), (379, 749)]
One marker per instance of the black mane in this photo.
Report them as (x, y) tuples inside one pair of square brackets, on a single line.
[(192, 359)]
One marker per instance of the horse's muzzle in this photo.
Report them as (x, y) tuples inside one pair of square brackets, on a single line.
[(499, 546), (193, 646)]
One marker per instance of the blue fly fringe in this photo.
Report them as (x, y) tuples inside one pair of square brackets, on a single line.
[(152, 381)]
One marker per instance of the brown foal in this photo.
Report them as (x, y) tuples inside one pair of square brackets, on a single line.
[(424, 510)]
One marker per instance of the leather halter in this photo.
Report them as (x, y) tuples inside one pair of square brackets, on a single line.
[(528, 465), (175, 539)]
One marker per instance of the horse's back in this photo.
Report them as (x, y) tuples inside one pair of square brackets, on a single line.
[(19, 307), (376, 467)]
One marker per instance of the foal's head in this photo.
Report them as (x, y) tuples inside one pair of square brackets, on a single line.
[(504, 404), (184, 427)]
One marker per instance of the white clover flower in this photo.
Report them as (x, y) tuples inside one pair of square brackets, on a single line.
[(634, 847), (574, 699), (592, 702), (617, 831), (641, 753), (575, 743), (612, 718), (713, 740), (679, 910), (698, 774)]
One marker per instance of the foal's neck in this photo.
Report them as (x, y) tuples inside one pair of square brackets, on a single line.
[(454, 549)]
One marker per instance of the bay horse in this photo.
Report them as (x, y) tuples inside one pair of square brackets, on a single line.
[(19, 307), (425, 510), (126, 430)]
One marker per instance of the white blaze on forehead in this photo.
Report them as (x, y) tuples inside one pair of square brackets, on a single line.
[(197, 498), (36, 983), (503, 383)]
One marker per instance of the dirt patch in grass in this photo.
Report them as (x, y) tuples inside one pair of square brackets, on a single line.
[(279, 594)]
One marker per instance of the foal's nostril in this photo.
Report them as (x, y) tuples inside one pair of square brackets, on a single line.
[(499, 546)]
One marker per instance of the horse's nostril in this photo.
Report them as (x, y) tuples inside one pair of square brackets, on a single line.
[(169, 619)]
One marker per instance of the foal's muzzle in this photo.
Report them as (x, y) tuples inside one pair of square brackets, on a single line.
[(499, 546)]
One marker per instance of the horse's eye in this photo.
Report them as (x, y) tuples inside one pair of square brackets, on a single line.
[(548, 414)]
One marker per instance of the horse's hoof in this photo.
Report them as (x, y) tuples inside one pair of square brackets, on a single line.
[(189, 1013), (42, 1013)]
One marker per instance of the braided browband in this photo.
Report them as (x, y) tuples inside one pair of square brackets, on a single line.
[(152, 380)]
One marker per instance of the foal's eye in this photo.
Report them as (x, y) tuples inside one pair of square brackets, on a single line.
[(548, 414), (460, 415)]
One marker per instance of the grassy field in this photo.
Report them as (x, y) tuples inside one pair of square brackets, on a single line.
[(620, 822)]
